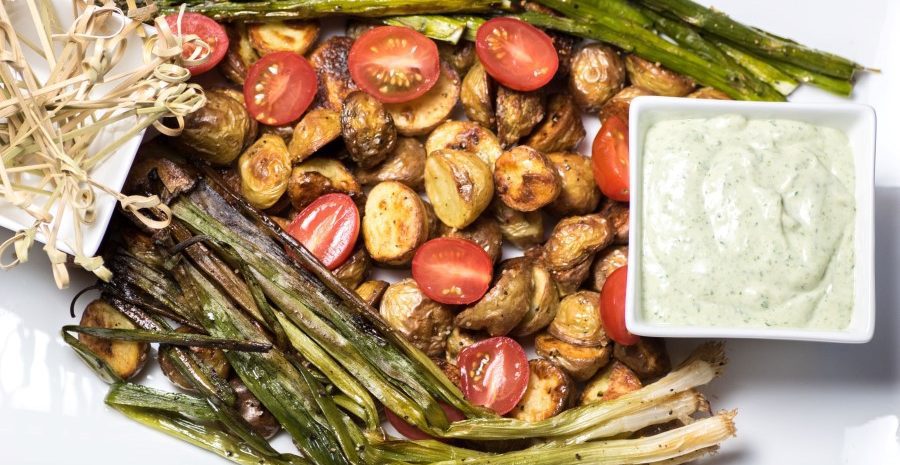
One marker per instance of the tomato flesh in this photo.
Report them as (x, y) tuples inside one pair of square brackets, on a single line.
[(494, 373), (208, 31), (280, 86), (516, 54), (452, 271), (328, 227), (394, 64), (415, 434), (609, 159), (612, 308)]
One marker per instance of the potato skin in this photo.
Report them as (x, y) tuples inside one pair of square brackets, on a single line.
[(504, 304), (613, 382), (306, 186), (578, 320), (621, 103), (419, 116), (368, 129), (608, 260), (468, 137), (125, 358), (213, 358), (517, 114), (423, 321), (372, 291), (574, 240), (220, 130), (459, 339), (394, 224), (461, 56), (406, 164), (526, 179), (522, 229), (240, 55), (283, 36), (265, 168), (459, 185), (253, 411), (580, 362), (579, 194), (338, 175), (316, 129), (549, 392), (477, 96), (355, 270), (329, 60), (597, 74), (562, 129), (648, 358), (484, 231), (544, 303), (617, 215), (656, 78)]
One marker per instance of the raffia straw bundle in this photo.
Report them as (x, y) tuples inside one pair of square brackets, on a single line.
[(46, 127)]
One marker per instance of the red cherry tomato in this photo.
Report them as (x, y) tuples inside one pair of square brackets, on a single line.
[(279, 88), (328, 227), (612, 308), (609, 158), (415, 434), (394, 64), (452, 271), (515, 53), (494, 373), (207, 30)]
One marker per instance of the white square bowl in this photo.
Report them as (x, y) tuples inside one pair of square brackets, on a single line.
[(856, 121)]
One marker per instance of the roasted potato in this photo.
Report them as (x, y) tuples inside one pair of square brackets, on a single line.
[(450, 370), (565, 51), (562, 128), (368, 129), (607, 261), (544, 303), (213, 358), (434, 224), (548, 393), (477, 96), (578, 320), (459, 185), (423, 321), (569, 280), (468, 137), (505, 303), (616, 214), (459, 339), (574, 240), (580, 362), (265, 168), (648, 358), (281, 221), (338, 175), (306, 186), (283, 36), (330, 62), (357, 27), (597, 74), (372, 291), (285, 132), (613, 382), (240, 55), (517, 114), (525, 179), (657, 79), (253, 411), (621, 102), (484, 231), (579, 194), (709, 93), (125, 358), (220, 130), (355, 270), (461, 56), (394, 224), (420, 115), (406, 164), (523, 229), (316, 129)]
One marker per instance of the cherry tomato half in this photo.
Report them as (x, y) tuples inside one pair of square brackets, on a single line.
[(279, 88), (609, 159), (516, 54), (207, 30), (328, 227), (452, 271), (394, 64), (415, 434), (612, 308), (494, 373)]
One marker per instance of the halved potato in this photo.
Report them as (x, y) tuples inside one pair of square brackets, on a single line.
[(372, 291), (578, 320), (330, 62), (579, 194), (394, 224), (580, 362), (616, 214), (368, 130), (648, 358), (574, 240), (213, 358), (316, 129), (477, 96), (459, 185), (338, 175), (657, 78), (125, 358), (517, 114), (240, 55), (620, 103), (355, 270), (548, 393), (562, 129), (420, 115), (526, 179), (423, 321), (524, 229), (406, 164), (283, 36), (306, 186), (613, 382), (607, 261), (265, 168), (544, 303), (459, 339), (597, 74), (484, 231), (468, 137), (505, 303)]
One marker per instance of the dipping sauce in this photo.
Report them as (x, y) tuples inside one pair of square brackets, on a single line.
[(747, 223)]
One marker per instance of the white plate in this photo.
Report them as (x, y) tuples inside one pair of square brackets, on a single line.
[(795, 400)]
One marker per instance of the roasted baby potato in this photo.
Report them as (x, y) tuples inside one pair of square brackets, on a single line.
[(616, 214), (420, 115), (450, 370), (459, 185), (580, 362), (578, 320), (355, 270), (265, 168), (648, 358), (565, 51), (709, 93), (125, 358), (253, 411), (306, 186), (484, 231), (656, 78), (240, 55), (525, 179), (523, 229), (597, 74), (459, 339), (574, 240), (423, 321), (394, 224), (330, 62), (579, 194), (406, 164), (607, 261), (461, 56), (621, 102), (569, 280), (316, 129), (338, 175), (517, 114), (213, 358), (372, 291), (357, 27), (477, 96), (548, 393), (468, 137), (368, 129), (505, 303), (544, 303), (220, 130), (434, 224), (283, 36), (562, 128), (285, 132), (613, 382)]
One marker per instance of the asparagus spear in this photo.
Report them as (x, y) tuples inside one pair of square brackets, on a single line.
[(308, 9), (443, 28), (780, 80)]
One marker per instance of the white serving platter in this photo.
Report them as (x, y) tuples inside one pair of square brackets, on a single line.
[(796, 401)]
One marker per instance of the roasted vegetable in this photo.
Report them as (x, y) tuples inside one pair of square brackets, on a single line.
[(569, 280), (395, 223), (613, 382), (616, 214), (544, 303), (406, 164), (459, 185), (338, 175), (579, 194), (562, 128), (709, 93), (213, 358), (315, 130), (253, 411), (477, 96), (484, 231), (578, 320), (434, 224), (607, 261), (420, 115), (565, 51), (240, 55), (220, 130), (656, 78), (283, 36), (423, 321), (549, 392), (357, 27), (468, 137), (517, 114), (265, 168), (285, 132), (521, 228), (450, 370), (571, 247), (125, 358), (525, 179), (368, 129), (461, 56), (306, 186), (505, 303), (330, 62), (355, 270), (597, 74), (621, 102), (372, 291), (580, 362), (648, 358), (459, 339)]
